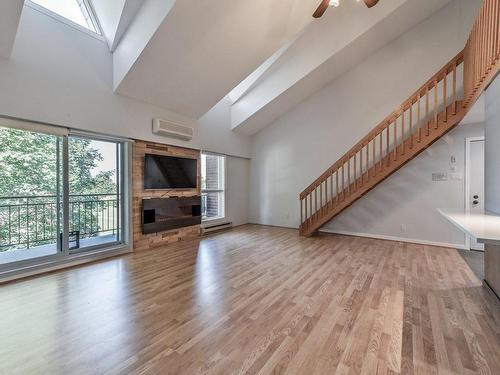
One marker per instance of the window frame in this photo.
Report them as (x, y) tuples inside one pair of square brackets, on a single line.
[(121, 238), (98, 34), (220, 191)]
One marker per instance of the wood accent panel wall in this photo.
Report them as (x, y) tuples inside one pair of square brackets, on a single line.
[(148, 241)]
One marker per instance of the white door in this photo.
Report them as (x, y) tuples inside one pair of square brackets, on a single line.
[(475, 181)]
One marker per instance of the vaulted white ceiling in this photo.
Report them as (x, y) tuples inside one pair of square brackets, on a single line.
[(200, 50), (265, 56), (326, 49), (10, 14)]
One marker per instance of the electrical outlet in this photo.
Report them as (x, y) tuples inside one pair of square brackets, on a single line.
[(403, 227)]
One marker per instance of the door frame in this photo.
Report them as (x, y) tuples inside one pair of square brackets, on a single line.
[(468, 142)]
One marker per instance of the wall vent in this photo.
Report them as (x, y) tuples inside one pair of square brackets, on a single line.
[(172, 129)]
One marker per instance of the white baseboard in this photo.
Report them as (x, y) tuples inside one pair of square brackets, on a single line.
[(397, 239), (273, 225), (379, 237)]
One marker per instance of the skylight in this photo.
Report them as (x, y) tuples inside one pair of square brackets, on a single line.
[(77, 11)]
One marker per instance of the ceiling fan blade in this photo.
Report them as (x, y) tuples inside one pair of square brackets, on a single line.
[(321, 9), (371, 3)]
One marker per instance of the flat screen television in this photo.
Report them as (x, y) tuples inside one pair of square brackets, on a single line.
[(169, 172)]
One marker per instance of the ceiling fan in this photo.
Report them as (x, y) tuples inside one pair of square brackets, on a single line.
[(326, 3)]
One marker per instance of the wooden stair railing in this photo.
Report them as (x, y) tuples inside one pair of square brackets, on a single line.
[(433, 110), (482, 52)]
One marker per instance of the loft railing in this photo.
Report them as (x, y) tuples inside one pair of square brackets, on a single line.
[(482, 51), (30, 221)]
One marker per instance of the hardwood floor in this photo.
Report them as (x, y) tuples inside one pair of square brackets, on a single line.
[(256, 300)]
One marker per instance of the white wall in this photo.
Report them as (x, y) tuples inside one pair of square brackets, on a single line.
[(62, 76), (327, 49), (237, 190), (216, 135), (213, 129), (298, 147), (139, 33), (10, 13), (492, 147), (404, 206), (108, 13)]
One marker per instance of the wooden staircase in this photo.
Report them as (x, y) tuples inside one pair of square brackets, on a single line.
[(428, 114)]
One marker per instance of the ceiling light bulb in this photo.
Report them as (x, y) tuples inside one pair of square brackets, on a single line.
[(334, 3)]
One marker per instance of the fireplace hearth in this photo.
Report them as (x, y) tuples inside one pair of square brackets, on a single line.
[(161, 214)]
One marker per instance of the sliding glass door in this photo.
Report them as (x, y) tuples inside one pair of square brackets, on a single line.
[(94, 192), (59, 193), (30, 194)]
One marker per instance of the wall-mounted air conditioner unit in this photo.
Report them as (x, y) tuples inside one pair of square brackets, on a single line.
[(172, 129)]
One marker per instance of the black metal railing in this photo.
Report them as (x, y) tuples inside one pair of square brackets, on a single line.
[(29, 221)]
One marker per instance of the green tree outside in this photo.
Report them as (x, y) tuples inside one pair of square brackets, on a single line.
[(28, 167)]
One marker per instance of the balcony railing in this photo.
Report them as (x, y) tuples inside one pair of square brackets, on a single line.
[(30, 221)]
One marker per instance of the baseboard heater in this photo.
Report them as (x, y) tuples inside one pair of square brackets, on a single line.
[(216, 227)]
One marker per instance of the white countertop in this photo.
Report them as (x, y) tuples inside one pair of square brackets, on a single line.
[(485, 228)]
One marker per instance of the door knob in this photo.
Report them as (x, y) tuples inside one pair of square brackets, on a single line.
[(476, 196), (475, 202)]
